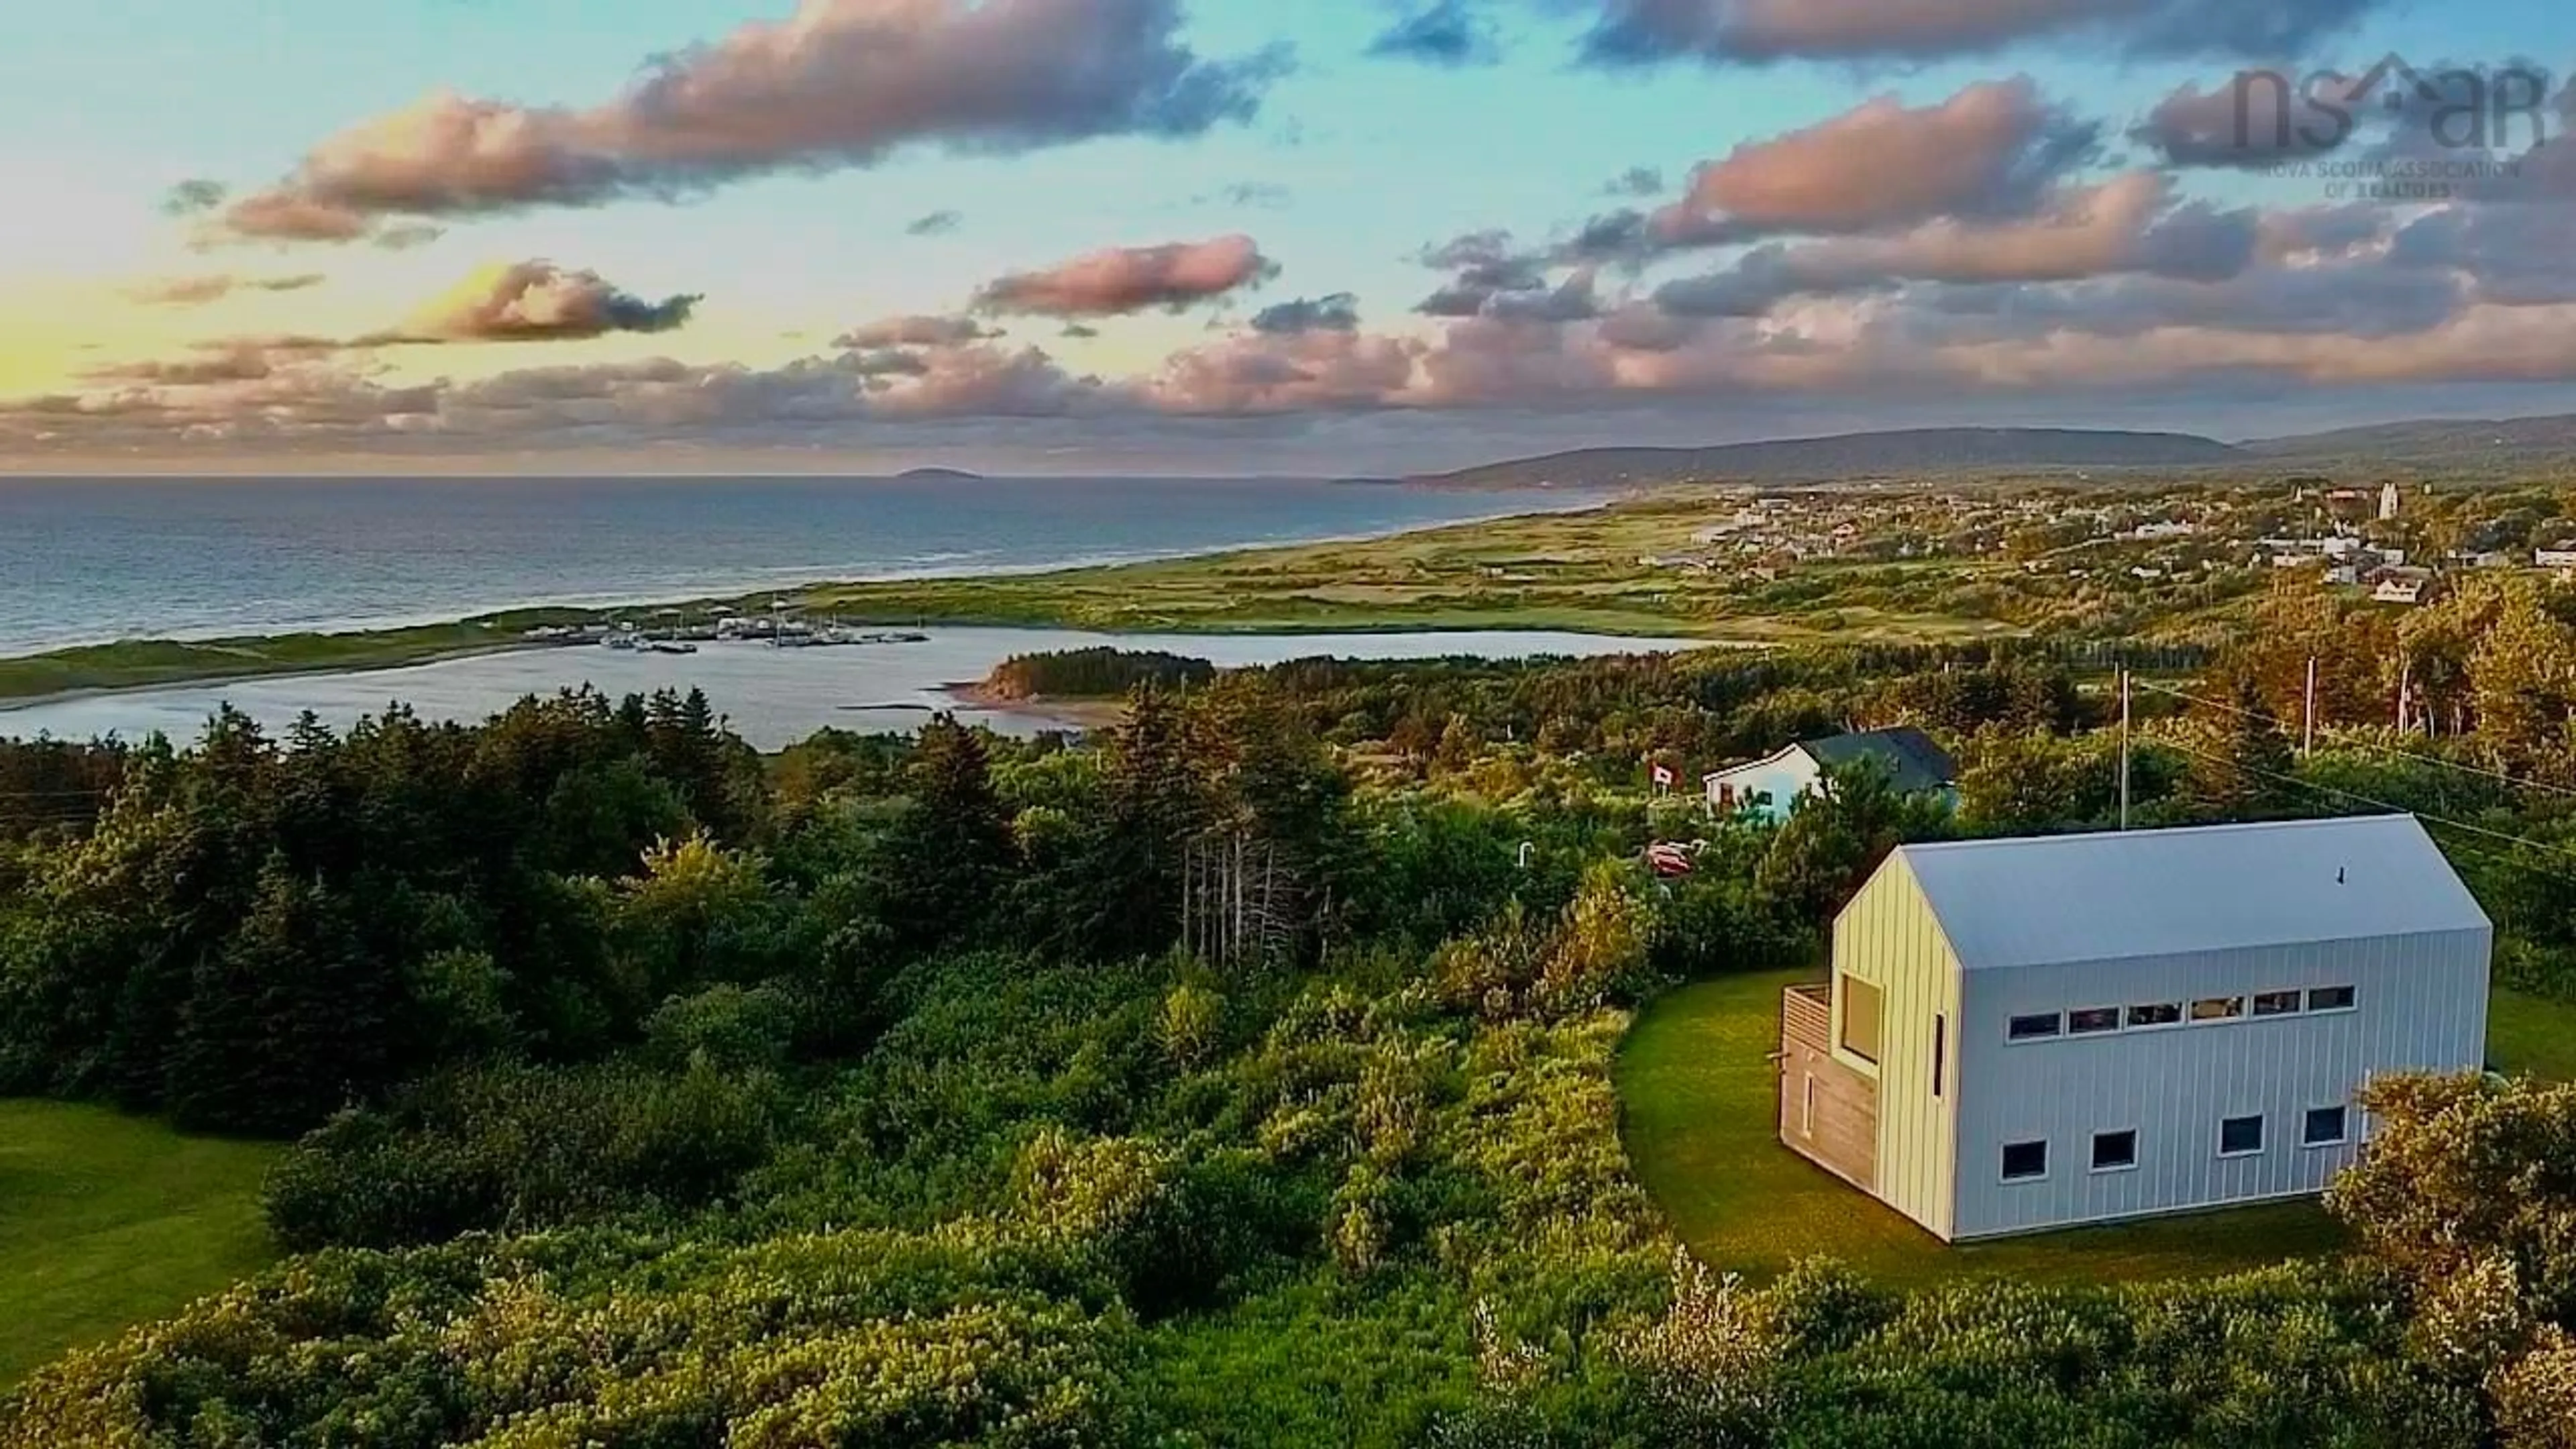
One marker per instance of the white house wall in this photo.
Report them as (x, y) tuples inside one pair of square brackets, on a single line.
[(2421, 1005), (1888, 937), (1783, 780)]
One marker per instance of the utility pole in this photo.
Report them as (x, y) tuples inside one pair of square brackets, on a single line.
[(2405, 691), (2309, 746), (2124, 747)]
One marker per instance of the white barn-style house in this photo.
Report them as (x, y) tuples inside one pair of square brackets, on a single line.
[(2036, 1033)]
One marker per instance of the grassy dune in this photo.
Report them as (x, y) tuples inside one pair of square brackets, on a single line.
[(1579, 572), (107, 1221)]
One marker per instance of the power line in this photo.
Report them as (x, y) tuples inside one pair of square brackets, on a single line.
[(2283, 726), (2393, 809)]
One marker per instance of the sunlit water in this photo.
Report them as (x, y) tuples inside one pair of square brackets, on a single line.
[(89, 560), (774, 697)]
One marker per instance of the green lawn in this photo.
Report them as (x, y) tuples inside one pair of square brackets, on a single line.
[(107, 1221)]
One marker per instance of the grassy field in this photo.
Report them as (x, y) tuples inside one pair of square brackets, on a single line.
[(1698, 1098), (1578, 572), (106, 1221)]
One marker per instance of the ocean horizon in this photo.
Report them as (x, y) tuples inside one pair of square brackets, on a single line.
[(91, 560)]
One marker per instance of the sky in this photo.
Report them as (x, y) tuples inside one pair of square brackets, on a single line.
[(1242, 236)]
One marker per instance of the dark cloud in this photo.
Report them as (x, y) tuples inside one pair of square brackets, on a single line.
[(537, 302), (2259, 119), (1132, 279), (1633, 32), (197, 291), (193, 197), (1079, 331), (1339, 312), (844, 83), (937, 223), (1445, 32), (406, 235), (1636, 181)]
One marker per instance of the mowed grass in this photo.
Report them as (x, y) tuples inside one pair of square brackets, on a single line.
[(1699, 1108), (107, 1221)]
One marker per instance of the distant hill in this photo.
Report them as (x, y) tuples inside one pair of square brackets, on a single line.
[(940, 475), (1911, 453), (2451, 444)]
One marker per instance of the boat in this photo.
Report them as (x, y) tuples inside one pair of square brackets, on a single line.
[(668, 646)]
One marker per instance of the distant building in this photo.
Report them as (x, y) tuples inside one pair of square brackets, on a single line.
[(1771, 787), (2561, 558), (2404, 586), (2030, 1034), (2388, 502)]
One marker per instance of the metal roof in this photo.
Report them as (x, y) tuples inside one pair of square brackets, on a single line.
[(2144, 893), (1913, 761)]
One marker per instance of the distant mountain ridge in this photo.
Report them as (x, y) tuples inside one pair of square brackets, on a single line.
[(1910, 452), (2457, 445), (2452, 442)]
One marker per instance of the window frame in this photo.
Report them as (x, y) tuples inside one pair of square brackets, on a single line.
[(2056, 1026), (2003, 1165), (1940, 1051), (2343, 1127), (2116, 1014), (1843, 982), (2097, 1169), (2298, 1000), (2129, 1015), (2351, 1000), (2262, 1136), (2235, 1010)]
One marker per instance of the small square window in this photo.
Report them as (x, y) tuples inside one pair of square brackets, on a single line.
[(2330, 998), (2033, 1028), (2240, 1136), (2325, 1127), (2161, 1014), (2218, 1008), (2025, 1161), (2115, 1151), (2093, 1019), (2276, 1003)]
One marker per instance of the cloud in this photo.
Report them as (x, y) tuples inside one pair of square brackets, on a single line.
[(1339, 312), (937, 223), (1120, 280), (537, 301), (1992, 149), (214, 287), (839, 84), (2254, 121), (2127, 224), (915, 331), (1633, 32), (193, 197), (1443, 33), (1636, 181), (406, 235)]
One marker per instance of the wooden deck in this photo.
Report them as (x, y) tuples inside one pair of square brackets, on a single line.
[(1828, 1112)]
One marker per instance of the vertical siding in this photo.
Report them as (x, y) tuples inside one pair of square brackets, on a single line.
[(1888, 937), (2422, 1007)]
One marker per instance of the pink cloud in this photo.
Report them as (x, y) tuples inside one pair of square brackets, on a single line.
[(1131, 279)]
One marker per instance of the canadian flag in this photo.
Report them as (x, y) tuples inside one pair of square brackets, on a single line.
[(1663, 777)]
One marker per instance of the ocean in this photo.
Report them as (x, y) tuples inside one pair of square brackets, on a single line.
[(90, 560)]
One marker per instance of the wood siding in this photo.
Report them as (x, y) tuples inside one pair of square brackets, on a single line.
[(1889, 937), (1842, 1136)]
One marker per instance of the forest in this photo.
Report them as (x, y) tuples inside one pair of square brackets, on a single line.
[(1237, 1074)]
